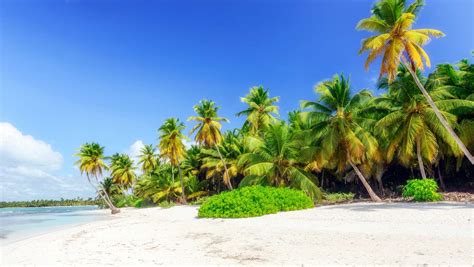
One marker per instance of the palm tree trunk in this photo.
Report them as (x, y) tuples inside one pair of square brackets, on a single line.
[(438, 114), (183, 195), (322, 179), (420, 159), (441, 180), (104, 196), (229, 183), (172, 175), (371, 192)]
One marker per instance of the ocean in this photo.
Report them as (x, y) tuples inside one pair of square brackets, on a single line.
[(20, 223)]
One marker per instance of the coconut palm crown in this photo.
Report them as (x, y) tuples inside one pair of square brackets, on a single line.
[(393, 22), (147, 158), (208, 125), (340, 137), (261, 110)]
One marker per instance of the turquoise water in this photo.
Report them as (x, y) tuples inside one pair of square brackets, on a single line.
[(20, 223)]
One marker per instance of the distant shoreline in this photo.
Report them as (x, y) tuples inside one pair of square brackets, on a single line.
[(55, 206), (49, 203)]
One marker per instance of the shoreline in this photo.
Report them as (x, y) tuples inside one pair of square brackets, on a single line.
[(358, 233), (21, 235)]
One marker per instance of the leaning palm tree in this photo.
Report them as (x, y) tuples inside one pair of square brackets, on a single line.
[(208, 129), (109, 187), (340, 136), (274, 160), (411, 126), (232, 148), (398, 43), (172, 148), (91, 162), (261, 110), (122, 170), (147, 159)]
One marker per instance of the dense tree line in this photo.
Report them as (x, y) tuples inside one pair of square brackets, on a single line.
[(48, 203), (420, 126)]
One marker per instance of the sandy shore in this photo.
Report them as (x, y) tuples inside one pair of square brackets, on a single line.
[(440, 233)]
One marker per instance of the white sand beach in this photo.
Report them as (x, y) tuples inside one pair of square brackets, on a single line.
[(363, 233)]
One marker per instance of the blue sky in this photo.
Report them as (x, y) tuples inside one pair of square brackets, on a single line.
[(112, 71)]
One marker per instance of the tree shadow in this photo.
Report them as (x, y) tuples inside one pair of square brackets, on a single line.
[(404, 205)]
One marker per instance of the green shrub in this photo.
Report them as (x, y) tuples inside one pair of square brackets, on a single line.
[(166, 204), (338, 197), (128, 201), (422, 190), (251, 201)]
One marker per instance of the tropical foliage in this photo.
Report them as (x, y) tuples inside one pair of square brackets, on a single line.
[(254, 201), (91, 162), (172, 147), (261, 110), (422, 190), (274, 161), (392, 20), (349, 140)]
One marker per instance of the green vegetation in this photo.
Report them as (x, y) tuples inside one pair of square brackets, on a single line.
[(50, 203), (253, 201), (422, 190), (338, 197), (346, 139)]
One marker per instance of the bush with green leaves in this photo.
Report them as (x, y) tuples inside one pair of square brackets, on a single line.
[(422, 190), (252, 201), (338, 197), (128, 201)]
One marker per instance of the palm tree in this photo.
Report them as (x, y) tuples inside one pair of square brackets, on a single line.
[(109, 187), (232, 148), (147, 160), (171, 146), (192, 162), (261, 110), (274, 160), (411, 125), (458, 80), (122, 170), (208, 129), (340, 136), (399, 43), (91, 162), (157, 185)]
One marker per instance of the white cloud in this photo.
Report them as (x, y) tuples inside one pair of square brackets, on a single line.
[(134, 150), (28, 166), (19, 149), (189, 143)]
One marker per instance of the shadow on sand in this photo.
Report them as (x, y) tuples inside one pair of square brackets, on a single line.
[(405, 205)]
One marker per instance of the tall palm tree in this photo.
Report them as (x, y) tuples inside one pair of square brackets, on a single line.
[(340, 136), (171, 146), (208, 129), (122, 170), (411, 125), (261, 110), (91, 162), (232, 148), (147, 159), (398, 43), (274, 160), (158, 185), (109, 187)]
